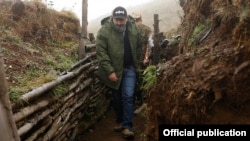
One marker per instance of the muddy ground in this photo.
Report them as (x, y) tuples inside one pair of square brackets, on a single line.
[(103, 130)]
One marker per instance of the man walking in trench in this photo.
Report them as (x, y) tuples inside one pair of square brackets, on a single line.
[(118, 49)]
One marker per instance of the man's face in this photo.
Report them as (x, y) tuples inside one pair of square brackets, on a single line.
[(120, 24)]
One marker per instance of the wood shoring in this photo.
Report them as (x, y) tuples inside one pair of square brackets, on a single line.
[(73, 121), (77, 104), (37, 106), (70, 100), (96, 96), (41, 117), (49, 135), (84, 84), (96, 115), (74, 89), (67, 128), (25, 112), (69, 112), (76, 82), (82, 76), (63, 121), (26, 98), (31, 109), (29, 125), (66, 131), (67, 104), (74, 133), (46, 123), (55, 127), (83, 61)]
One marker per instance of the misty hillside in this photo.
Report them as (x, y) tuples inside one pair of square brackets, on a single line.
[(169, 12)]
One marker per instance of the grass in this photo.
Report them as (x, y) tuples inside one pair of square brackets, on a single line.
[(59, 90), (196, 31), (36, 75), (149, 78)]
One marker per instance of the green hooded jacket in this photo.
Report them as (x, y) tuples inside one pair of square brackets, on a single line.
[(110, 50)]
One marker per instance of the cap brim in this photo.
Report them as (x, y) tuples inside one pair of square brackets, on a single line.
[(119, 17)]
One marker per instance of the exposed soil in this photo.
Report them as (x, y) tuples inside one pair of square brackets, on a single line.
[(208, 82)]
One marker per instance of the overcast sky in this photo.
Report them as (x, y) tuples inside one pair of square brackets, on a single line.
[(96, 8)]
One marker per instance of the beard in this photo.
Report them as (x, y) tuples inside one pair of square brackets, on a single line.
[(120, 28)]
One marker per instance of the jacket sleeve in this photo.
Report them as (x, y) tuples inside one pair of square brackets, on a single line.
[(102, 51), (139, 43)]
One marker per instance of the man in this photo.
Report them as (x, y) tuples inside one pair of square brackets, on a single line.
[(146, 49), (118, 49), (147, 37)]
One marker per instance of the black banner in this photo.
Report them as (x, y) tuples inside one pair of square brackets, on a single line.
[(198, 132)]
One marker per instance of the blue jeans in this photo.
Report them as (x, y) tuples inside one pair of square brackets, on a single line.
[(123, 99)]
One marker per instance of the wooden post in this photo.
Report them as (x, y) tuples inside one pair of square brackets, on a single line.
[(83, 34), (155, 49), (156, 23), (9, 130)]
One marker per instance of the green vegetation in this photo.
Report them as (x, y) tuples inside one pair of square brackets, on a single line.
[(198, 29), (149, 78), (143, 136), (15, 39), (15, 93), (244, 13), (58, 59), (59, 90)]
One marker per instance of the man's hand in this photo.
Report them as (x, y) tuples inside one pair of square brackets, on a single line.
[(113, 77)]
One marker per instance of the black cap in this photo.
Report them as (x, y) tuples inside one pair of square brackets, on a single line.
[(119, 13)]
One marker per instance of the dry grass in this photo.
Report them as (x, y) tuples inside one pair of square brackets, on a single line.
[(39, 22)]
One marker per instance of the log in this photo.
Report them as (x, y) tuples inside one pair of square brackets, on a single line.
[(77, 81), (49, 135), (83, 61), (77, 112), (68, 112), (55, 127), (36, 107), (26, 98), (77, 105), (85, 84), (28, 126), (72, 124), (81, 77), (74, 133), (25, 112), (47, 122)]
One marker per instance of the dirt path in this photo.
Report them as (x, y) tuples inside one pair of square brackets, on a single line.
[(103, 130)]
